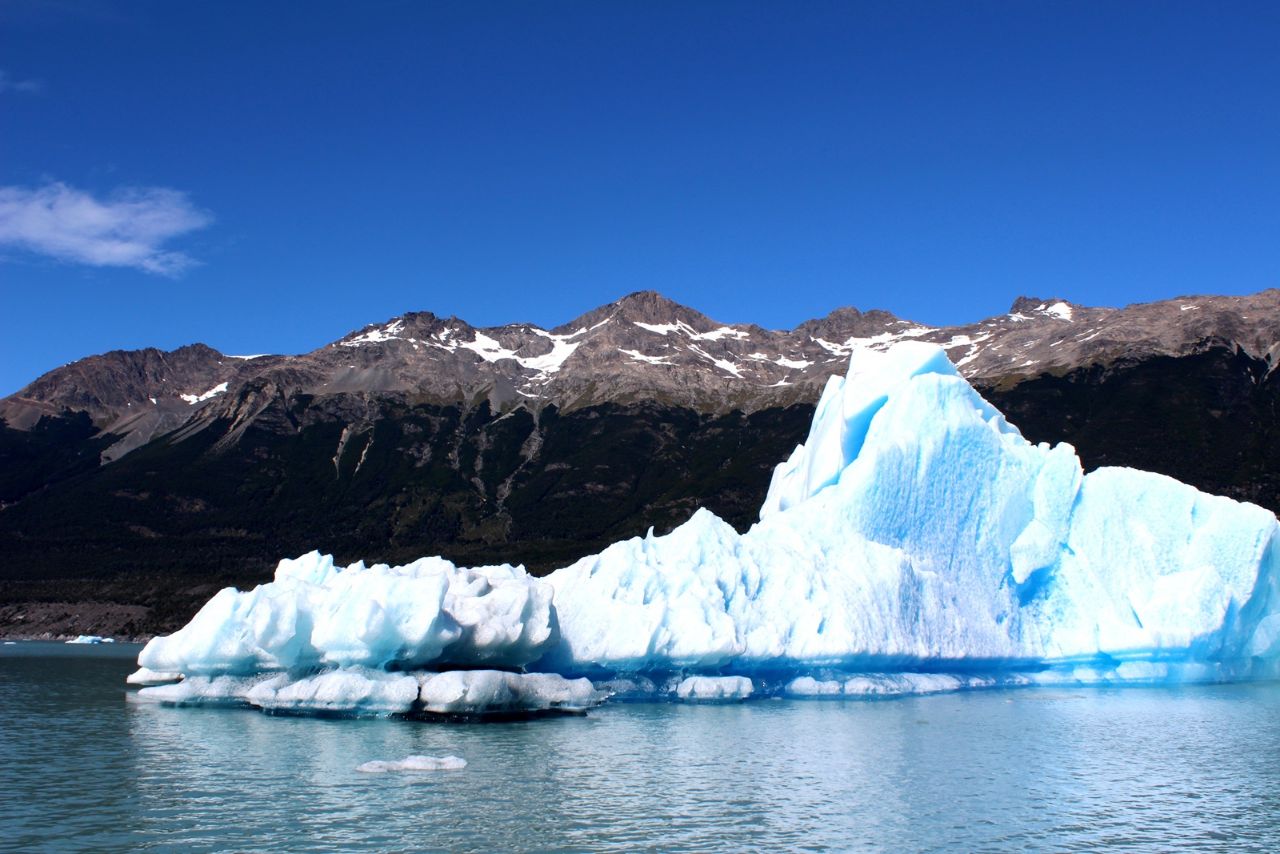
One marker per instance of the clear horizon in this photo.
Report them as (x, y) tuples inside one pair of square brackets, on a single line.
[(263, 180)]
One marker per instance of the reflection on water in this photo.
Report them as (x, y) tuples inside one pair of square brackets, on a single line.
[(86, 768)]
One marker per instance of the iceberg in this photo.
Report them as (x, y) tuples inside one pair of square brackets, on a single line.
[(916, 530), (915, 542), (90, 639)]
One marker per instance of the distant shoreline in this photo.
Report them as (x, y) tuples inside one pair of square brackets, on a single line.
[(60, 638)]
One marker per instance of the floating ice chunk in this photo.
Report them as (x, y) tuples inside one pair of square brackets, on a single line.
[(488, 692), (143, 676), (710, 688), (864, 685), (314, 614), (414, 763), (347, 691), (210, 690), (91, 639), (630, 688), (361, 691), (808, 686)]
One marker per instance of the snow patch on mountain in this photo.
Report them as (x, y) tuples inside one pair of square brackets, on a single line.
[(193, 399), (693, 334), (879, 343), (1060, 310), (390, 332), (641, 357), (723, 364), (491, 350)]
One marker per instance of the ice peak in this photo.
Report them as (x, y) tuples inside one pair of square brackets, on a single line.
[(846, 409)]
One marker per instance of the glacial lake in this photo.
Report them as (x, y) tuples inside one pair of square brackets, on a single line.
[(85, 767)]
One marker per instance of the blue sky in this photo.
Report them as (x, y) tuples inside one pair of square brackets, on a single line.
[(265, 177)]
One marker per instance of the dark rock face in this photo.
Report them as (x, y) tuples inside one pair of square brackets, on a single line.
[(427, 436), (541, 487), (1211, 419), (641, 348)]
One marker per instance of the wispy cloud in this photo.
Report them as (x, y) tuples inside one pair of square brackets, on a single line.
[(127, 229), (25, 87)]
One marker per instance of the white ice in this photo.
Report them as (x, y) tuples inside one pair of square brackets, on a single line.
[(364, 691), (917, 526), (714, 688), (91, 639), (390, 332), (143, 676), (314, 614), (193, 399), (862, 685), (491, 350), (479, 692)]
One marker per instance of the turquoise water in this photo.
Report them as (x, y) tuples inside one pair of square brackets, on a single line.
[(87, 768)]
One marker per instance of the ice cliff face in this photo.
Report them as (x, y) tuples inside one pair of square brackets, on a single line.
[(914, 532), (428, 613)]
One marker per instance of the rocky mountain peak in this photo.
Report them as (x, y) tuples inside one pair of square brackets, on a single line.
[(642, 346), (1052, 307), (645, 307)]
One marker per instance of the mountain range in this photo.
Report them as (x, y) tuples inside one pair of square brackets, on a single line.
[(134, 483)]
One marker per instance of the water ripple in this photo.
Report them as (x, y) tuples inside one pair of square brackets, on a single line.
[(1138, 769)]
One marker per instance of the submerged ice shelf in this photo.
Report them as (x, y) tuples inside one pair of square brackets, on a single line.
[(366, 691), (915, 542)]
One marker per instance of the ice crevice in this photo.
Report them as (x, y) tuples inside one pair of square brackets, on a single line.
[(915, 542)]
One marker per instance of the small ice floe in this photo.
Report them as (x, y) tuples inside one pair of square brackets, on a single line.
[(10, 643), (710, 689), (91, 639), (209, 690), (144, 677), (414, 763), (494, 692)]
